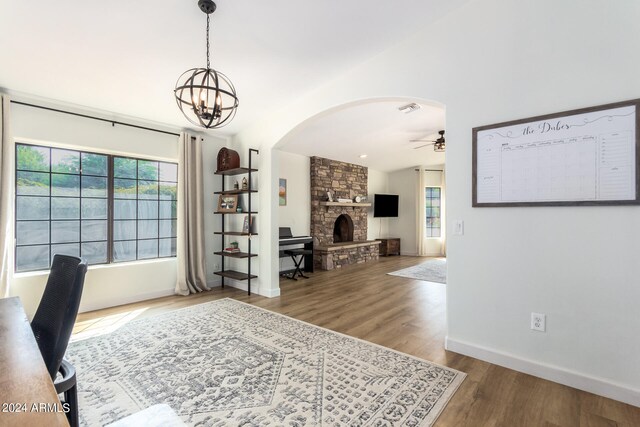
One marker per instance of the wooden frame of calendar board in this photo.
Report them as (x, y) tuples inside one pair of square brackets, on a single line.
[(561, 128)]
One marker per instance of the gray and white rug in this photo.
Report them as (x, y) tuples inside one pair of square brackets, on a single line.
[(434, 270), (227, 363)]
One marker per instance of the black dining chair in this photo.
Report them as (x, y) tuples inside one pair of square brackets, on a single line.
[(53, 323)]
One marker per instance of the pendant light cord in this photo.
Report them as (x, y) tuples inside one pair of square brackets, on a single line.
[(208, 66)]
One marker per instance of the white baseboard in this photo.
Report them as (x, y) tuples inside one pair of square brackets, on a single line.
[(113, 302), (271, 293), (242, 285), (600, 386), (439, 254), (215, 283)]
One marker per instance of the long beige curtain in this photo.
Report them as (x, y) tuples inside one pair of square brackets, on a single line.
[(421, 213), (6, 190), (190, 243)]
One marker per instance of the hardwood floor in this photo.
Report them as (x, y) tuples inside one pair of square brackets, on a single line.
[(409, 316)]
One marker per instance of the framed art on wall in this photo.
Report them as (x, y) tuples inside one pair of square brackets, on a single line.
[(282, 192)]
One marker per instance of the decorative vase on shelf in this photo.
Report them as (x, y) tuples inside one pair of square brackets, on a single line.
[(245, 184)]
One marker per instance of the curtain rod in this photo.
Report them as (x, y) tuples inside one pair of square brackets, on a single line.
[(113, 122), (430, 170)]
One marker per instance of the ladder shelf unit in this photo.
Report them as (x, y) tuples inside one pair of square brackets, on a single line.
[(248, 255)]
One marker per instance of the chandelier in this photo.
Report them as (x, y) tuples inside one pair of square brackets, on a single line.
[(205, 96)]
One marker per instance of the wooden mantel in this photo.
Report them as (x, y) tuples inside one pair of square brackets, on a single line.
[(351, 204)]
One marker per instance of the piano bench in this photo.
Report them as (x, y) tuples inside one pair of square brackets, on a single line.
[(294, 254)]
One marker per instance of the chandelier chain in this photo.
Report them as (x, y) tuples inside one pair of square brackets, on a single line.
[(208, 66)]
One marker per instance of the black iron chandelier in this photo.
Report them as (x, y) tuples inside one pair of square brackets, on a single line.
[(205, 96)]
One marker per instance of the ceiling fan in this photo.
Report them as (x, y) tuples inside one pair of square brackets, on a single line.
[(438, 144)]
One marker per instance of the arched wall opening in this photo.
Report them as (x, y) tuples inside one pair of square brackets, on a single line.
[(375, 133)]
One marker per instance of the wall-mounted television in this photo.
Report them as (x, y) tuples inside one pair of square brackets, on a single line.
[(385, 205)]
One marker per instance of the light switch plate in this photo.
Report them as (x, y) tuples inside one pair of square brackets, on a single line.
[(458, 227)]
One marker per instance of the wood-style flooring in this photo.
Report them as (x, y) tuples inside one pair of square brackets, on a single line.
[(409, 316)]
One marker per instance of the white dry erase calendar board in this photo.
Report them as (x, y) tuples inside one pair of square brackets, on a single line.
[(581, 157)]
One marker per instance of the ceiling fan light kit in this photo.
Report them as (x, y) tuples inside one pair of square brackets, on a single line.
[(439, 144), (206, 97)]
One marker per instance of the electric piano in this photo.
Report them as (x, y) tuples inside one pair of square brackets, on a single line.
[(286, 239)]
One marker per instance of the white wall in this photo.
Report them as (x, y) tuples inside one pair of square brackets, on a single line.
[(296, 214), (501, 60), (403, 183), (107, 285), (378, 183)]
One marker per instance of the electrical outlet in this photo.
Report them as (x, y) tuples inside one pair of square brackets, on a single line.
[(539, 322)]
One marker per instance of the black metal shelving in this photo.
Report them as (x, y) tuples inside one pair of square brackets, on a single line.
[(236, 192), (235, 213), (232, 274), (234, 233), (235, 254)]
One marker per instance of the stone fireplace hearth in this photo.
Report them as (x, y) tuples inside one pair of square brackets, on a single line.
[(339, 230)]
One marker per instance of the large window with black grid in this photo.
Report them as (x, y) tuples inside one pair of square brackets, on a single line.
[(104, 208), (433, 209)]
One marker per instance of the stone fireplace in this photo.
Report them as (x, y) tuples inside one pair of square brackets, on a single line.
[(339, 230)]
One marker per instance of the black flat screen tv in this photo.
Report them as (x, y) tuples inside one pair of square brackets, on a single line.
[(385, 205)]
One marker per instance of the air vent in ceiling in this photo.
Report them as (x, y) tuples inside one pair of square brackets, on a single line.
[(409, 108)]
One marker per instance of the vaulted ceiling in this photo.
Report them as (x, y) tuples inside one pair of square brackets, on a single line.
[(125, 56)]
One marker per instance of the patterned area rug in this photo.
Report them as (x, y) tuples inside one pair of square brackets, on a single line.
[(227, 363), (434, 270)]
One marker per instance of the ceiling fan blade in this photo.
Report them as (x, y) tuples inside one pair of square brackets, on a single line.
[(422, 140), (422, 146)]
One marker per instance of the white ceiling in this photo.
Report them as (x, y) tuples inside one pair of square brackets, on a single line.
[(375, 128), (124, 56)]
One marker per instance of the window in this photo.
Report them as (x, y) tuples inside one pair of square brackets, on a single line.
[(432, 196), (144, 209), (101, 207)]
